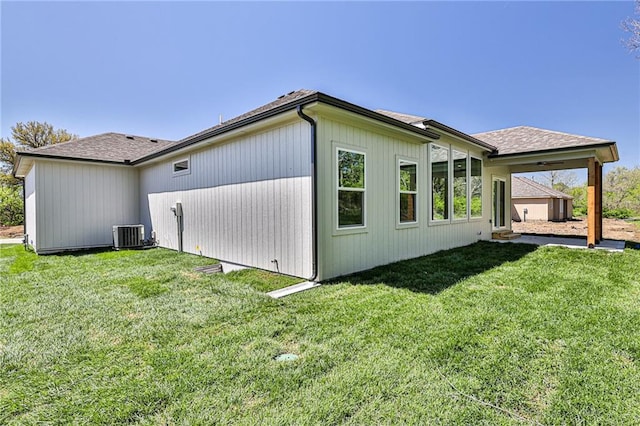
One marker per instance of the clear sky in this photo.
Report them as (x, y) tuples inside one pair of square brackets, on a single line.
[(169, 69)]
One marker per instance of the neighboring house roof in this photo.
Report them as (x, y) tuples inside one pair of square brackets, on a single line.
[(526, 139), (106, 147), (522, 187)]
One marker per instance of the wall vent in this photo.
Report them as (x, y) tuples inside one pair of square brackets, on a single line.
[(128, 236)]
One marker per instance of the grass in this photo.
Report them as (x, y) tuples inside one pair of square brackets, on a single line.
[(485, 334)]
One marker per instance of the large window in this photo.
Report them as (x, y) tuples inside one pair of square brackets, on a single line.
[(408, 187), (459, 184), (476, 188), (351, 188), (439, 182)]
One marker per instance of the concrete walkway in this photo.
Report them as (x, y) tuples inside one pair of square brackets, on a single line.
[(292, 289), (10, 241), (575, 243)]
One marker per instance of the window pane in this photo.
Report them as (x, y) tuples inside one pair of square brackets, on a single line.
[(503, 201), (350, 208), (439, 183), (350, 169), (459, 185), (407, 207), (180, 166), (476, 187), (407, 176)]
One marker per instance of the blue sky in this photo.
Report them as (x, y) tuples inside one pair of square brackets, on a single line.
[(169, 69)]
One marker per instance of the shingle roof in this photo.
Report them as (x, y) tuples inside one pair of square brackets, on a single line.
[(108, 147), (288, 102), (282, 100), (117, 147), (523, 139), (427, 123), (522, 187), (415, 120)]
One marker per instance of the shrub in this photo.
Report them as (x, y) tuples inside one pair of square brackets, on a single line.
[(619, 213), (11, 211)]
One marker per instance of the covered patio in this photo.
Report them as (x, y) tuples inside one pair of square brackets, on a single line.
[(526, 149)]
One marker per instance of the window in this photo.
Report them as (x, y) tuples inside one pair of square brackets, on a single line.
[(439, 182), (459, 184), (407, 180), (476, 188), (181, 167), (499, 203), (351, 188)]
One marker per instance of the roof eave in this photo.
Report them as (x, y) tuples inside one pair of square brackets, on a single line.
[(444, 128), (24, 154), (611, 145)]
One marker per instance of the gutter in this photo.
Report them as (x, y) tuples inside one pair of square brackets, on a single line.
[(314, 191), (62, 157)]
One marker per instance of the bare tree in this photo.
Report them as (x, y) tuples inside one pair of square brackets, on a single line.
[(28, 135), (561, 180), (632, 26)]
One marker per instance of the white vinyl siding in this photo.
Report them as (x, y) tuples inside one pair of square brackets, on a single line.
[(246, 201), (30, 205), (384, 240), (78, 203)]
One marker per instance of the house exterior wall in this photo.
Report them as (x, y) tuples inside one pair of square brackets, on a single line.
[(78, 203), (30, 205), (537, 208), (541, 209), (562, 209), (384, 240), (246, 201)]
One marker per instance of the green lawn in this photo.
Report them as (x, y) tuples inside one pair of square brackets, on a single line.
[(486, 334)]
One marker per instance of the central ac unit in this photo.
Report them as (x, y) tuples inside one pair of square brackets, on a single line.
[(128, 236)]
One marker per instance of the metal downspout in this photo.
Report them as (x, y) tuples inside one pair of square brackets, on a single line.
[(314, 190), (25, 237)]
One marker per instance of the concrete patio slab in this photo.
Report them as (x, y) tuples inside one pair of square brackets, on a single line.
[(575, 243), (10, 241)]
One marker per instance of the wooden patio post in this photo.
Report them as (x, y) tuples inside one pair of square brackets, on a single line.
[(591, 202), (599, 203)]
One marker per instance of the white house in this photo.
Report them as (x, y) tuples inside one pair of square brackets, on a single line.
[(308, 185)]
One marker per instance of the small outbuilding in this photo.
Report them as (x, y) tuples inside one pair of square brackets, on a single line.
[(533, 201)]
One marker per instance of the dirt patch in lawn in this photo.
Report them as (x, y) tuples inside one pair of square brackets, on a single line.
[(11, 231), (613, 229)]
